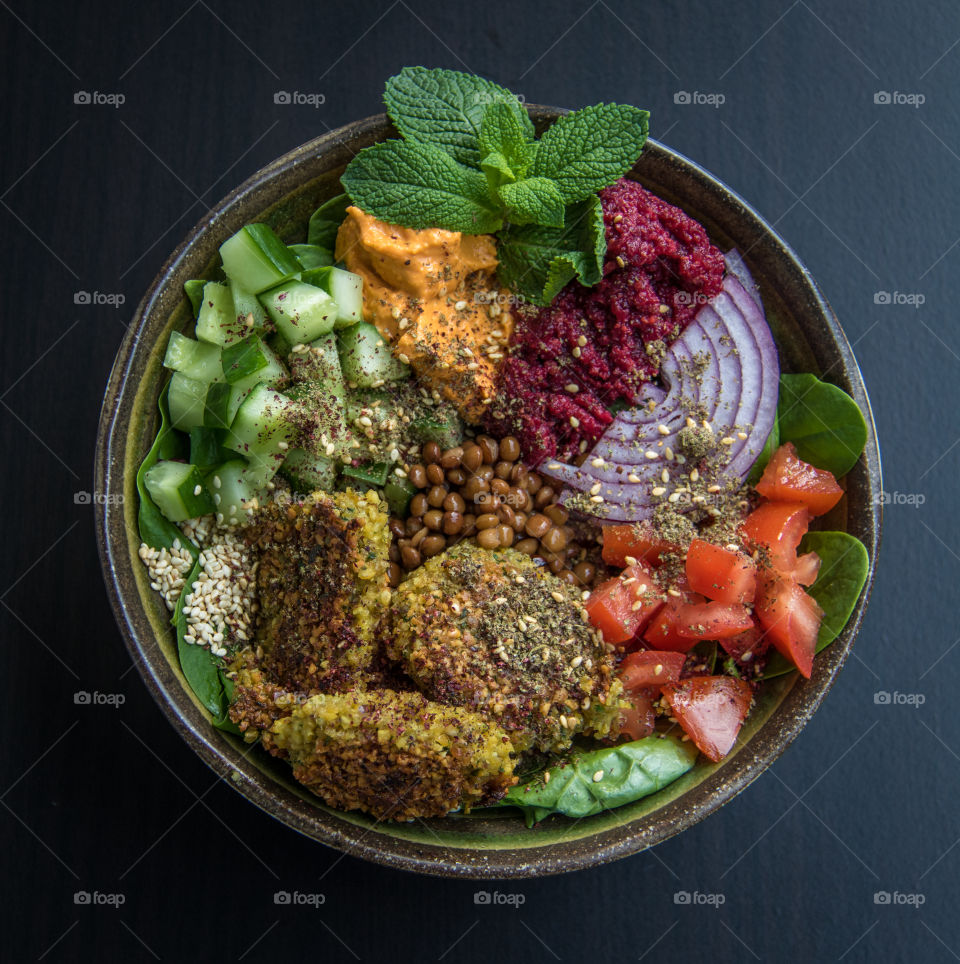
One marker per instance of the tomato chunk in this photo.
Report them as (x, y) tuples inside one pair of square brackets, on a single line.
[(650, 668), (712, 620), (662, 632), (621, 542), (791, 619), (752, 641), (778, 527), (711, 710), (789, 479), (724, 575), (638, 719), (622, 607), (807, 568)]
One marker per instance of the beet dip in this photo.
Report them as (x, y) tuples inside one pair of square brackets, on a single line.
[(594, 347)]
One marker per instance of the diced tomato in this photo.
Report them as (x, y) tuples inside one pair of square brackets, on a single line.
[(789, 479), (791, 619), (650, 668), (724, 575), (613, 607), (637, 720), (711, 710), (662, 632), (636, 542), (778, 527), (751, 641), (712, 620), (806, 570)]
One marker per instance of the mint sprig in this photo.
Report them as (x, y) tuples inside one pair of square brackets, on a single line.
[(469, 162)]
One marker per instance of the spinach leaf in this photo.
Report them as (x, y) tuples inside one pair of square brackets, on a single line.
[(326, 221), (629, 771), (844, 566), (706, 650), (822, 421)]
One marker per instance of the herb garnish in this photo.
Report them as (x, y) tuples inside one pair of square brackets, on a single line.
[(469, 162)]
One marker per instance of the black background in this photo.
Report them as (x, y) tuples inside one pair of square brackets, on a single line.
[(93, 197)]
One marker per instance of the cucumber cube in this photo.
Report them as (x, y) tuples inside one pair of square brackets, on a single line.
[(232, 487), (346, 289), (301, 312), (217, 324), (256, 259), (366, 359), (178, 491), (307, 473), (196, 359), (250, 362), (245, 303), (263, 424)]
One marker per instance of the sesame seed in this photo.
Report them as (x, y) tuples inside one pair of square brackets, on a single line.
[(460, 305), (197, 489), (663, 430), (726, 440), (598, 776), (216, 481), (576, 352), (675, 593), (668, 454), (691, 423), (633, 477), (630, 560), (713, 488), (665, 475), (571, 388), (673, 497), (595, 488), (651, 454), (694, 475), (596, 498), (582, 341), (657, 491), (741, 435), (574, 421)]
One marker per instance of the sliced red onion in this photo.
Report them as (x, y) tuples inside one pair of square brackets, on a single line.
[(724, 363)]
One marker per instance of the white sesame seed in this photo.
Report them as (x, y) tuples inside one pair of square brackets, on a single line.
[(598, 776)]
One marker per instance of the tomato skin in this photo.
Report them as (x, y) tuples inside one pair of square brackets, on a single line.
[(638, 719), (720, 574), (662, 632), (711, 710), (636, 541), (712, 620), (639, 669), (778, 528), (789, 479), (791, 620), (610, 606)]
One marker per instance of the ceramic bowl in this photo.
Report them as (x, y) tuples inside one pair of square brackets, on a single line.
[(284, 194)]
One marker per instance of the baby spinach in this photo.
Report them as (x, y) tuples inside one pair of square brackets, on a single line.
[(597, 780), (326, 220), (199, 665), (823, 422), (844, 567)]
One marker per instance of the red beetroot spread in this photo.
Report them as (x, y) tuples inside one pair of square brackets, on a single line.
[(659, 268)]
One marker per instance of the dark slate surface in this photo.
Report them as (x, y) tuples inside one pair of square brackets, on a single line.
[(93, 197)]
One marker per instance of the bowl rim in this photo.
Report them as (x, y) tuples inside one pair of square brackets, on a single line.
[(223, 757)]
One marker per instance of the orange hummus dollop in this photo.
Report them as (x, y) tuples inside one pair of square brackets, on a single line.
[(433, 295)]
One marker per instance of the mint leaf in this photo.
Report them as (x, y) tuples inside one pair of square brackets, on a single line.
[(497, 170), (420, 186), (538, 261), (445, 108), (503, 132), (590, 148), (534, 200)]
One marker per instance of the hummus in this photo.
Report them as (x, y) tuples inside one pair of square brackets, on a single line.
[(433, 295)]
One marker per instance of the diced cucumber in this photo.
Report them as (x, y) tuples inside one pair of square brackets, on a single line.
[(196, 359), (300, 311), (366, 359), (311, 255), (398, 492), (232, 486), (194, 290), (307, 473), (256, 259), (346, 289), (372, 473), (250, 362), (262, 425), (217, 323), (177, 489), (206, 447), (194, 403), (245, 303), (443, 427)]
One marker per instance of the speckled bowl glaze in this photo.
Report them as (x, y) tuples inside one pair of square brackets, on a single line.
[(284, 194)]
